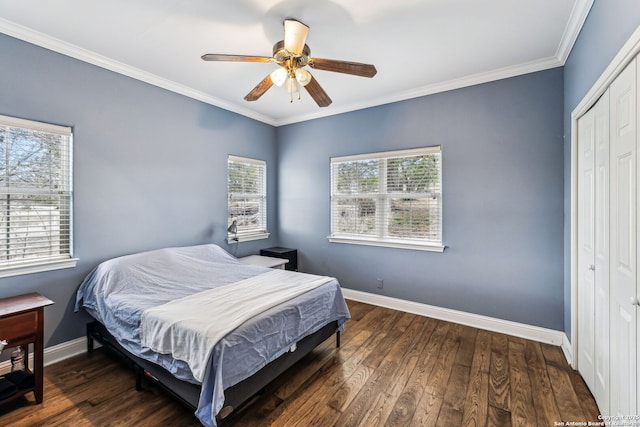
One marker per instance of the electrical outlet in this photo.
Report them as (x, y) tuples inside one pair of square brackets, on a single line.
[(380, 283)]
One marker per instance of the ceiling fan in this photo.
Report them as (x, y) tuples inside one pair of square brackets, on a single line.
[(292, 55)]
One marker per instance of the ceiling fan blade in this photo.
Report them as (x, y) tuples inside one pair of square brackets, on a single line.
[(260, 89), (295, 36), (317, 93), (346, 67), (236, 58)]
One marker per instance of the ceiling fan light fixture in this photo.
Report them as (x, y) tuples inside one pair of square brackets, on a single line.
[(292, 55), (279, 76), (303, 76)]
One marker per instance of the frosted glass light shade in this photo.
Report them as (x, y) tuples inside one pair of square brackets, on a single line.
[(279, 76), (295, 35), (303, 76)]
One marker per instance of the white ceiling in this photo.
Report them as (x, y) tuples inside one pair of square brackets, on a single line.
[(418, 46)]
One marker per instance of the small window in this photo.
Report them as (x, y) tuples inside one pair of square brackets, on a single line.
[(36, 223), (388, 199), (247, 188)]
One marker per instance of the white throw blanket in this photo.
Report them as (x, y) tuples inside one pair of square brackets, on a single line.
[(188, 328)]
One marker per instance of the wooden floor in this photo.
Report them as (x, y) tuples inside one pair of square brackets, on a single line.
[(393, 369)]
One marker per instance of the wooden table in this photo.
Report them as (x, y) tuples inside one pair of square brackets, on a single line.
[(21, 324)]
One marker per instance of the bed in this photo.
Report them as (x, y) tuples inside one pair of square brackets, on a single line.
[(206, 327)]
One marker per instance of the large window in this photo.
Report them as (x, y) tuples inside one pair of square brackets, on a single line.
[(36, 226), (247, 188), (388, 199)]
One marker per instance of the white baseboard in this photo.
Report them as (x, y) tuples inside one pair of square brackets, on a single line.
[(522, 330), (65, 350), (567, 349)]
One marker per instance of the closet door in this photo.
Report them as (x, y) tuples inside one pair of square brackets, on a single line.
[(586, 245), (601, 253), (593, 255), (623, 268)]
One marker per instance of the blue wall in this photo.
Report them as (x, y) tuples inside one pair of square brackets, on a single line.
[(609, 25), (150, 171), (502, 198), (150, 166)]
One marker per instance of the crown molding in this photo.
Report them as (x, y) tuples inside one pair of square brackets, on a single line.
[(39, 39), (476, 79), (574, 25), (576, 20)]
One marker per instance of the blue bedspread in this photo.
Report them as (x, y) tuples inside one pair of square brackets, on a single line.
[(117, 292)]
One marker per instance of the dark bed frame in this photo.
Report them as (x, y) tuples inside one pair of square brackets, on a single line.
[(188, 393)]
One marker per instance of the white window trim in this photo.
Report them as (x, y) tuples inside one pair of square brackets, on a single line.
[(411, 244), (29, 268), (388, 243), (40, 266), (246, 237)]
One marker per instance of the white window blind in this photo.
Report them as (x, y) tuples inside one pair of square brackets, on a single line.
[(36, 195), (247, 190), (389, 199)]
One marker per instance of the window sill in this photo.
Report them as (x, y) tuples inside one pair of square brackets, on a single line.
[(247, 238), (27, 268), (430, 247)]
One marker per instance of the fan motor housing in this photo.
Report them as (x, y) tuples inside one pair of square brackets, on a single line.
[(281, 54)]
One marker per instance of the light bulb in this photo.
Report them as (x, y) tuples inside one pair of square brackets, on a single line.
[(279, 76), (303, 76)]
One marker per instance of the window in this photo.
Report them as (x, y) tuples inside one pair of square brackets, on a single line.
[(36, 227), (247, 188), (388, 199)]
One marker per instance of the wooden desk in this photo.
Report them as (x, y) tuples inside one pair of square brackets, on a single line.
[(21, 324)]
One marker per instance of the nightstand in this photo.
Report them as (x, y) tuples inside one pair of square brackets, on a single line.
[(285, 253), (265, 261), (21, 324)]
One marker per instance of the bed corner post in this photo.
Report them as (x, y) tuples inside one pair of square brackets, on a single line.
[(338, 339)]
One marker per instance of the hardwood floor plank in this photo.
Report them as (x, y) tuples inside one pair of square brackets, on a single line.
[(587, 402), (392, 369), (308, 404), (476, 401), (522, 409), (547, 412), (288, 383), (499, 417), (456, 392), (499, 390), (391, 338), (371, 397), (567, 401), (391, 388), (387, 373), (405, 405), (411, 358), (439, 377), (467, 346), (427, 412)]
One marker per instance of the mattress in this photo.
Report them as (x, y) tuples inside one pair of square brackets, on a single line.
[(118, 292)]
